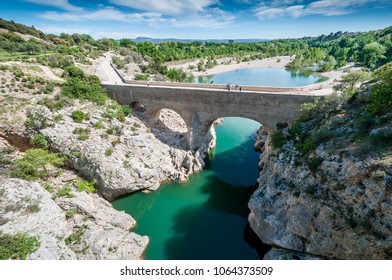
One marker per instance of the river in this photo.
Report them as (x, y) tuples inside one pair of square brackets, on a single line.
[(205, 218)]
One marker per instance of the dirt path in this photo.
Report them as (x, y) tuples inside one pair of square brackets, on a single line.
[(50, 74), (106, 72)]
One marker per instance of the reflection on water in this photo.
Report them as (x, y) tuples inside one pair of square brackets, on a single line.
[(205, 218), (276, 77)]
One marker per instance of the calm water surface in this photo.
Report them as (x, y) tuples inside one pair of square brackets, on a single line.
[(205, 218), (275, 77)]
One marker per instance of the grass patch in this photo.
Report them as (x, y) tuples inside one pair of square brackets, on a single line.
[(82, 133), (84, 185), (34, 165), (40, 141), (71, 213), (78, 116), (17, 246), (76, 237)]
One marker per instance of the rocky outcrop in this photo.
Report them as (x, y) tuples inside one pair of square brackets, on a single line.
[(122, 156), (83, 226), (336, 206)]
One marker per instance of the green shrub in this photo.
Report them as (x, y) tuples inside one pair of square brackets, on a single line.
[(382, 138), (114, 130), (57, 103), (17, 246), (83, 133), (311, 189), (76, 237), (78, 116), (84, 185), (141, 77), (64, 192), (83, 87), (39, 141), (71, 213), (109, 152), (322, 135), (306, 147), (58, 118), (381, 95), (99, 125), (313, 163), (117, 111), (36, 119), (277, 139), (34, 164)]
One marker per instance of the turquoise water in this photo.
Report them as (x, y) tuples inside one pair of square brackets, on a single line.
[(205, 218), (275, 77)]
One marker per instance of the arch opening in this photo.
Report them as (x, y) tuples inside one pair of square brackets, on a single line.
[(170, 128)]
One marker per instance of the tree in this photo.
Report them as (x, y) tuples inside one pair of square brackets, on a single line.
[(381, 95), (371, 54)]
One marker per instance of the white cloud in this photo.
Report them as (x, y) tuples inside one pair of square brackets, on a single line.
[(106, 13), (168, 7), (213, 19), (62, 4), (286, 8)]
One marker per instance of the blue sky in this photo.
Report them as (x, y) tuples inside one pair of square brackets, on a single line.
[(199, 19)]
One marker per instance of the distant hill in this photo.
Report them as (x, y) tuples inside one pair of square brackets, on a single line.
[(164, 40)]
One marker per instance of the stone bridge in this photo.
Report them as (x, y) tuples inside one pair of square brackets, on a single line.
[(201, 105)]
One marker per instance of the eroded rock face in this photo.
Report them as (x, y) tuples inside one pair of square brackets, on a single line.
[(342, 210), (94, 230), (27, 207), (123, 157)]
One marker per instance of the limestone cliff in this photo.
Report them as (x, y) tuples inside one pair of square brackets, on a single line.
[(326, 185)]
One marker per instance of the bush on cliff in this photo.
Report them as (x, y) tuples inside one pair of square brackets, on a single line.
[(82, 86), (36, 164), (381, 96)]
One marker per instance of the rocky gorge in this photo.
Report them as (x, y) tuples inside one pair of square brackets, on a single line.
[(116, 154), (328, 196)]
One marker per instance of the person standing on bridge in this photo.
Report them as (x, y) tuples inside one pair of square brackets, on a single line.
[(228, 86)]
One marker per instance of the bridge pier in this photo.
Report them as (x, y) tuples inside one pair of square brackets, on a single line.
[(200, 107)]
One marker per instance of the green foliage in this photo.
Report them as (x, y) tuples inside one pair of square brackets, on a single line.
[(36, 119), (371, 54), (83, 87), (71, 213), (65, 191), (58, 118), (306, 147), (117, 111), (34, 164), (78, 116), (57, 103), (99, 125), (176, 75), (277, 139), (84, 185), (141, 77), (4, 156), (313, 163), (82, 133), (119, 63), (76, 237), (381, 138), (381, 95), (109, 152), (17, 246), (40, 141)]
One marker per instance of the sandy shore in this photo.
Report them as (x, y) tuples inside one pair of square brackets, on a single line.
[(224, 65)]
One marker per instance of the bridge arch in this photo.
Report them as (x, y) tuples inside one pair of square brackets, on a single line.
[(200, 107)]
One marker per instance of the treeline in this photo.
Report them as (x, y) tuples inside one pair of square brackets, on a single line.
[(371, 49)]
